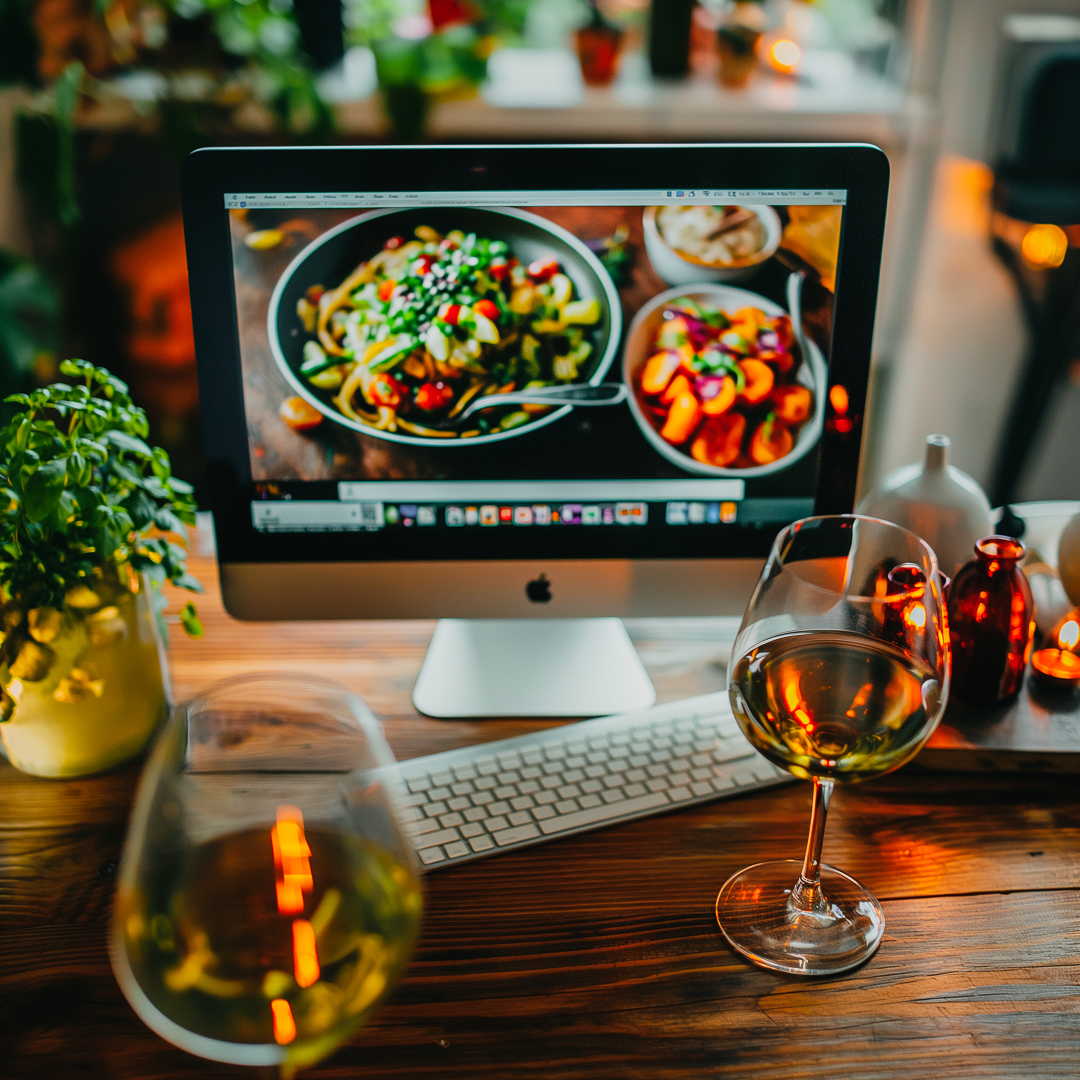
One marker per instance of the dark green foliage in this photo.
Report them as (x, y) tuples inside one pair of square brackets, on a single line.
[(29, 320), (85, 491)]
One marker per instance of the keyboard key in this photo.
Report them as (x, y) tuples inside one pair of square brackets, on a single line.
[(435, 809), (639, 761), (456, 850), (463, 788), (443, 836), (531, 758), (441, 777), (481, 843), (527, 787), (567, 806), (522, 802), (432, 855), (544, 798), (413, 800), (595, 771), (701, 788), (723, 783), (592, 786), (438, 794), (482, 798), (474, 828), (464, 772), (496, 823), (508, 778), (418, 783), (613, 796), (459, 803), (656, 785), (657, 770), (572, 776), (485, 783), (588, 801), (510, 760), (504, 791), (411, 813), (543, 812), (521, 817), (676, 779), (515, 836), (552, 781), (499, 808), (596, 814), (531, 773), (634, 790), (477, 813), (417, 828), (569, 791), (677, 794), (635, 776), (449, 820)]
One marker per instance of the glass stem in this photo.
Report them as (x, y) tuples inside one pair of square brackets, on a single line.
[(808, 895)]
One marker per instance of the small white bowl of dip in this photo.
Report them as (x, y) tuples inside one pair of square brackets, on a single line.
[(682, 250)]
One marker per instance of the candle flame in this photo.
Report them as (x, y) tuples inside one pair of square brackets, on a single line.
[(1069, 635), (784, 55)]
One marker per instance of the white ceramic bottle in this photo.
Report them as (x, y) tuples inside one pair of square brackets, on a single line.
[(936, 501)]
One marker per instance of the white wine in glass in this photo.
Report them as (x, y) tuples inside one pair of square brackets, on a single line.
[(839, 673), (267, 901)]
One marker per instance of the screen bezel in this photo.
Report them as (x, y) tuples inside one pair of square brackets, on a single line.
[(209, 174)]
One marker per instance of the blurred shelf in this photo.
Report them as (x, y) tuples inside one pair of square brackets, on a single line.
[(865, 108)]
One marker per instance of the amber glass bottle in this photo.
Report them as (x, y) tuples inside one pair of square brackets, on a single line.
[(991, 623)]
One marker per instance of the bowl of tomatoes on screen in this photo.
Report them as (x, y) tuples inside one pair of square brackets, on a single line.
[(719, 383)]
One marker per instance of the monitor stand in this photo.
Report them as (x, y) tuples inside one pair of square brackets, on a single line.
[(531, 667)]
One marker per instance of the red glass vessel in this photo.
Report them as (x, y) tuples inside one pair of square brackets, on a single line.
[(991, 623)]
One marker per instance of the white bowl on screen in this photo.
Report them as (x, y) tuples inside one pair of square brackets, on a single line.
[(678, 268)]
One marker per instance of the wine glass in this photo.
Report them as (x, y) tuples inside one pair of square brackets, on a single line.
[(267, 899), (840, 672)]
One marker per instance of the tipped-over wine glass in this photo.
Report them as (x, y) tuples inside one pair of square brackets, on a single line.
[(840, 672), (267, 899)]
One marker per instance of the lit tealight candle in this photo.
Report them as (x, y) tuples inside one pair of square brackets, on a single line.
[(1061, 665)]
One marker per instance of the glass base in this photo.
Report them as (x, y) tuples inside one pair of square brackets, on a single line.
[(839, 931)]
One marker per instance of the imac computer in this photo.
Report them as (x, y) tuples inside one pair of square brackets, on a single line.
[(526, 390)]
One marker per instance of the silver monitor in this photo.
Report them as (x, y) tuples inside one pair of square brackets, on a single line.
[(526, 390)]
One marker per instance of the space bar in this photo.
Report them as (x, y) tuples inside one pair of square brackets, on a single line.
[(623, 808)]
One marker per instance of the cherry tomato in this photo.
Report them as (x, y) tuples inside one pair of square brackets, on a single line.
[(394, 243), (386, 289), (432, 396), (450, 313), (386, 390), (498, 269), (299, 414), (487, 308), (770, 442), (543, 269)]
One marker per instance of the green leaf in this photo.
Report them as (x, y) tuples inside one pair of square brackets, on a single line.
[(189, 620), (180, 487), (123, 441), (186, 581), (141, 510), (42, 490)]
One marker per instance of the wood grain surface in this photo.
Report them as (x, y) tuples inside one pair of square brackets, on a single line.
[(598, 956)]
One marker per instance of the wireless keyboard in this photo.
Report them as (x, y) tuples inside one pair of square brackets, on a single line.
[(499, 796)]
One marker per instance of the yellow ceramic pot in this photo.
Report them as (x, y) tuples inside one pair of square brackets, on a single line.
[(85, 687)]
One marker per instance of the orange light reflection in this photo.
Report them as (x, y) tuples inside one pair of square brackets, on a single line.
[(284, 1024), (291, 860), (305, 957)]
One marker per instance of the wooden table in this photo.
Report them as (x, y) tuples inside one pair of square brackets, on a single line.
[(599, 956)]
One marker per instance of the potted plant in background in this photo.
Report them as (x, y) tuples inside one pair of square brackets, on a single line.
[(86, 542)]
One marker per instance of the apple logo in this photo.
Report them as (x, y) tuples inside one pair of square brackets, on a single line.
[(539, 591)]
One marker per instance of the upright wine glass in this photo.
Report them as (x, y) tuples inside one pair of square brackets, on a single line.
[(267, 899), (840, 672)]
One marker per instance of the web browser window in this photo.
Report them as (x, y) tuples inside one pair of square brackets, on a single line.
[(455, 362)]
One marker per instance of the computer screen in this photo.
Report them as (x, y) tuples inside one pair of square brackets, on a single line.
[(434, 377), (380, 331)]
